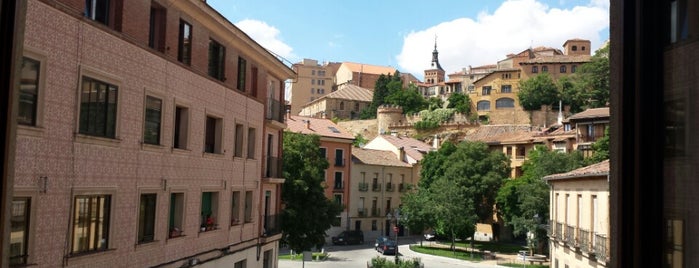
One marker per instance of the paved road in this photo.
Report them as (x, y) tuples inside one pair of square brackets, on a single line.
[(358, 255)]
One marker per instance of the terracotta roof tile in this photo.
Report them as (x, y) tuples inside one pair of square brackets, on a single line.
[(413, 148), (599, 169), (377, 157), (350, 92), (591, 113), (487, 133), (557, 59), (368, 68), (319, 126)]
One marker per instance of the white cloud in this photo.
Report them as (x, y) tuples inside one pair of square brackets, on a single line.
[(513, 27), (268, 36)]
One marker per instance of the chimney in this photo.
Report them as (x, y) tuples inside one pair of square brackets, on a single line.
[(560, 113), (308, 124), (401, 153), (435, 142)]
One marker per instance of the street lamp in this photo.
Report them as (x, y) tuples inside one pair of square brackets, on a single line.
[(395, 229)]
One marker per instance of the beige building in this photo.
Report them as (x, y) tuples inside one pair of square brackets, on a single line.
[(362, 75), (579, 217), (346, 102), (313, 80), (407, 149), (149, 134), (379, 178)]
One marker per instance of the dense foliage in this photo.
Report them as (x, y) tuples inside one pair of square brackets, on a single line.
[(461, 102), (409, 98), (307, 212), (536, 91), (381, 91), (600, 149)]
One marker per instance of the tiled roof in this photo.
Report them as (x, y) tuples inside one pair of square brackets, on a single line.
[(413, 148), (368, 68), (591, 113), (486, 133), (350, 92), (377, 157), (319, 126), (599, 169), (557, 59)]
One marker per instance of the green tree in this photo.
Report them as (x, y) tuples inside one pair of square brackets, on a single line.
[(434, 103), (536, 91), (571, 94), (381, 90), (593, 79), (523, 201), (409, 99), (600, 150), (307, 212), (460, 102), (434, 164), (359, 140)]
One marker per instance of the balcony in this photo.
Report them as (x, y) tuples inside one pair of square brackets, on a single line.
[(558, 231), (361, 212), (584, 240), (376, 212), (339, 162), (275, 110), (274, 167), (402, 187), (376, 187), (600, 247), (272, 225), (389, 187), (569, 234), (338, 186), (363, 187)]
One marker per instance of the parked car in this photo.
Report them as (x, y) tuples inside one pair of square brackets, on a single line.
[(349, 237), (388, 248), (380, 241)]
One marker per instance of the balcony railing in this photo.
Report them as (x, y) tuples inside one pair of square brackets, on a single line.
[(584, 240), (600, 247), (389, 187), (275, 110), (272, 225), (339, 185), (363, 186), (361, 212), (558, 231), (274, 167), (339, 162), (376, 187), (375, 212), (569, 235), (402, 187), (549, 229)]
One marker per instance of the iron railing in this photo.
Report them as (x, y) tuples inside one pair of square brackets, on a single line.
[(558, 231), (376, 187), (339, 162), (275, 111), (363, 186), (584, 240), (274, 167), (375, 212), (389, 187), (600, 247), (361, 212), (569, 235), (272, 225)]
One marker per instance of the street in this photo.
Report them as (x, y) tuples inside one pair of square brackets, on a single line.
[(359, 255)]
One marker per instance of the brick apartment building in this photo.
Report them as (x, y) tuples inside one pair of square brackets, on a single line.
[(149, 135), (313, 81)]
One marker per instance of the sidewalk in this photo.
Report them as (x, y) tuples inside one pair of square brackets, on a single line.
[(498, 257)]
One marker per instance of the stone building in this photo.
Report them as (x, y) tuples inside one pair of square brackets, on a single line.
[(149, 134), (360, 74), (313, 80), (346, 102)]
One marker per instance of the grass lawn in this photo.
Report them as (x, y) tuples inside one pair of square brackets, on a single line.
[(445, 252), (521, 265), (489, 246), (299, 257)]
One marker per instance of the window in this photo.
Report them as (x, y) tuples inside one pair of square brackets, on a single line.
[(339, 157), (238, 150), (338, 180), (98, 108), (176, 216), (251, 143), (575, 48), (535, 69), (342, 106), (19, 232), (28, 92), (504, 103), (573, 68), (338, 199), (483, 106), (373, 225), (98, 10), (91, 221), (217, 63), (209, 211), (563, 69), (181, 127), (313, 81), (506, 89), (253, 90), (242, 65), (241, 264), (151, 126), (184, 44), (235, 208), (313, 72), (214, 130), (248, 206), (313, 91), (486, 90), (544, 69), (356, 106), (156, 31), (324, 152), (146, 218)]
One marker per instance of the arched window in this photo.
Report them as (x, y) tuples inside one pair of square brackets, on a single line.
[(544, 69), (483, 106), (563, 68), (535, 69), (342, 105), (356, 106), (504, 103)]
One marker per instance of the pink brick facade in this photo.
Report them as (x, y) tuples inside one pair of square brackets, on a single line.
[(55, 163)]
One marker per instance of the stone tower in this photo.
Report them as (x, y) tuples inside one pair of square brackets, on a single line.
[(387, 115), (435, 74)]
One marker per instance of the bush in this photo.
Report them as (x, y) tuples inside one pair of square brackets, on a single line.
[(380, 262)]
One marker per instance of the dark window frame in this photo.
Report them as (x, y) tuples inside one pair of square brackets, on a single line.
[(242, 72), (184, 43), (217, 60), (28, 106), (146, 217), (86, 209), (152, 122), (92, 110)]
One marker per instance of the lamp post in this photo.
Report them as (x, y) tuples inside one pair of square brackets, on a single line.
[(395, 229)]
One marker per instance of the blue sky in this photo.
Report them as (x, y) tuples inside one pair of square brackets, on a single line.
[(402, 34)]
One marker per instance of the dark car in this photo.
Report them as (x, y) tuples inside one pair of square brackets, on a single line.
[(380, 241), (349, 237), (388, 247)]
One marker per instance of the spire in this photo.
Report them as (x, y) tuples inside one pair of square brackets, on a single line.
[(435, 56)]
